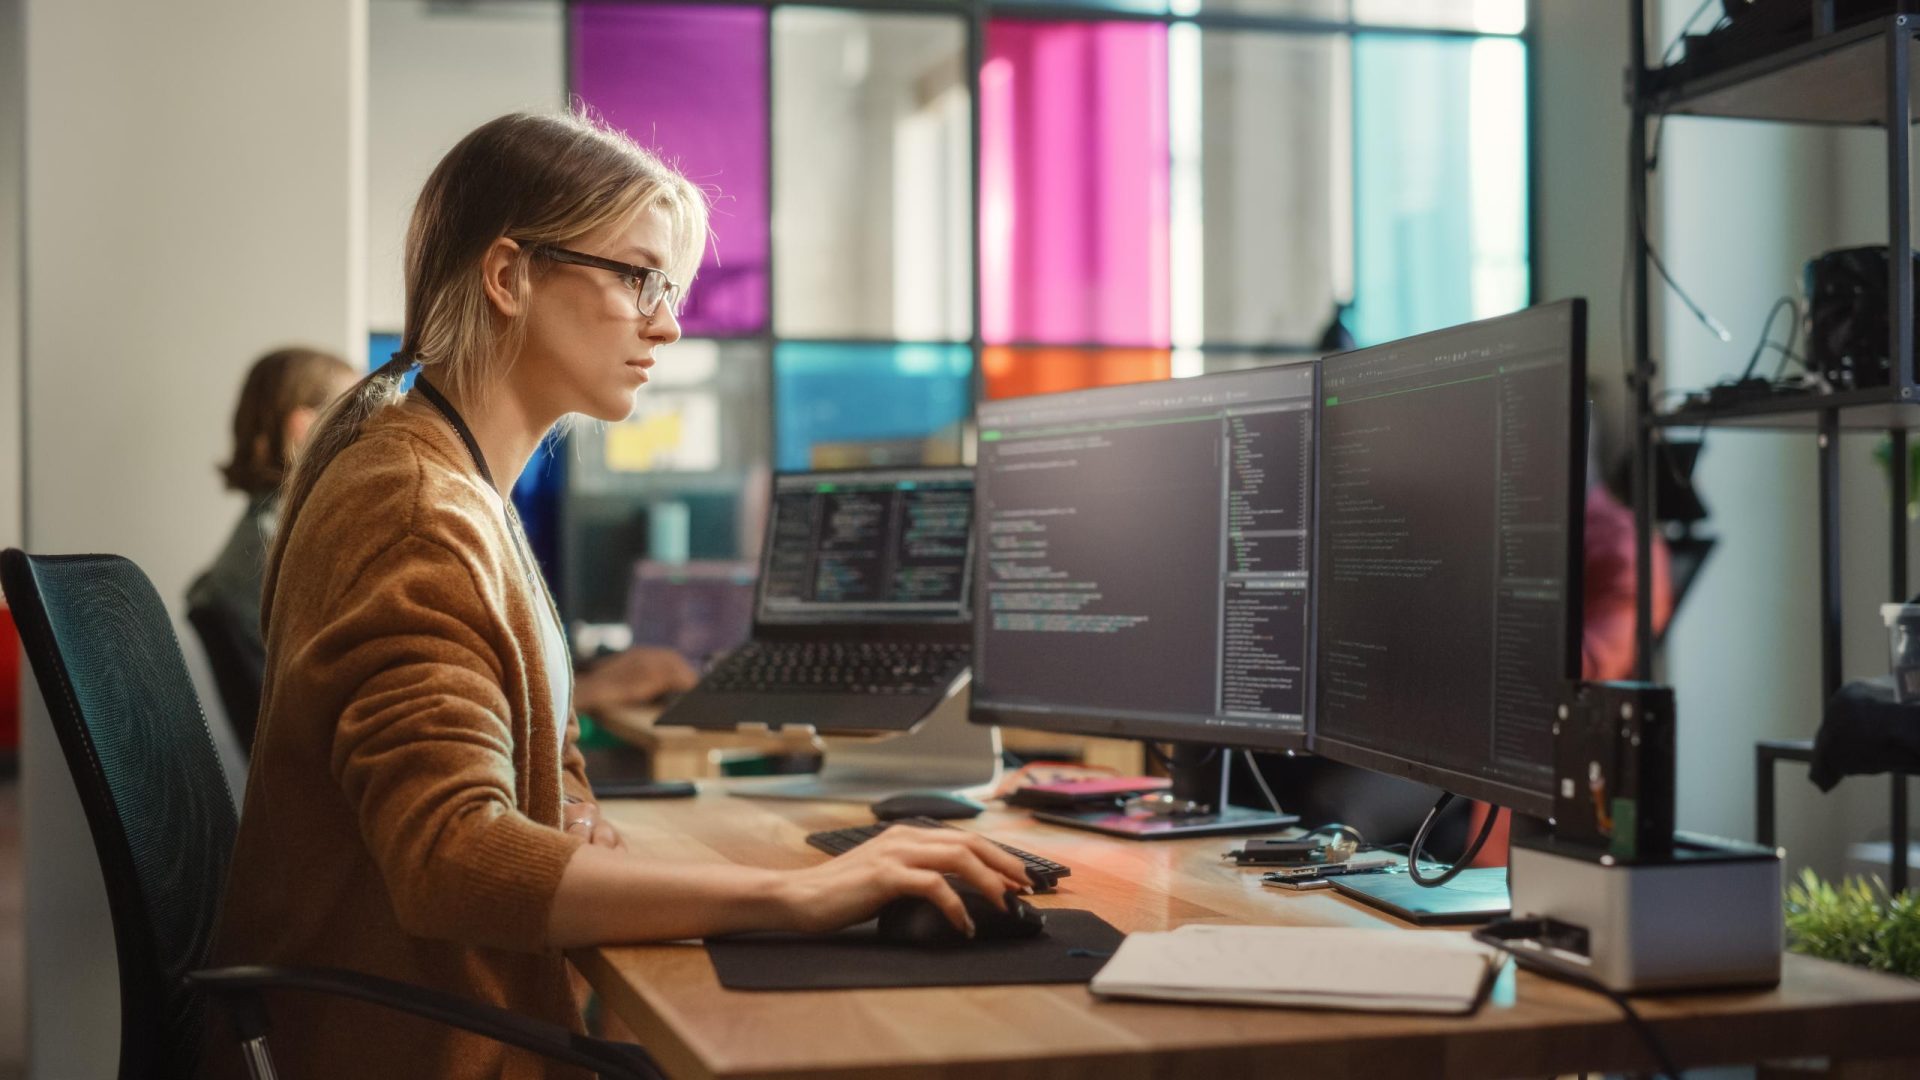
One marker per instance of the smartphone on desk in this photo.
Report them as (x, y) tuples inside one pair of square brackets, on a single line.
[(647, 789)]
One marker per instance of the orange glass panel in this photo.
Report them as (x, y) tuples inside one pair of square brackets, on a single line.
[(1008, 372)]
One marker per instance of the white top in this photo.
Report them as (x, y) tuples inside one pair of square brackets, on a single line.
[(559, 664)]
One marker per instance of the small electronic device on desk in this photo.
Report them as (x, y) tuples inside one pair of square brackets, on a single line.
[(1614, 895), (1098, 792)]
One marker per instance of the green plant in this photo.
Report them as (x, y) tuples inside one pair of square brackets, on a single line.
[(1855, 922), (1883, 453)]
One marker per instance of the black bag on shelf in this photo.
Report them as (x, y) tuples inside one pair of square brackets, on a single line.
[(1847, 316), (1749, 29)]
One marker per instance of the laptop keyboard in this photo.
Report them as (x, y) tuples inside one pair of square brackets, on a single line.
[(839, 667), (1045, 873)]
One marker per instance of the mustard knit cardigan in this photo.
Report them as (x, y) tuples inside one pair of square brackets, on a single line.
[(403, 808)]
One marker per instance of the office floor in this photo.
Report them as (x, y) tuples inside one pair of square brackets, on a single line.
[(13, 998)]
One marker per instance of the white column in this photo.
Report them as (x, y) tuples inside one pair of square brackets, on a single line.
[(194, 197)]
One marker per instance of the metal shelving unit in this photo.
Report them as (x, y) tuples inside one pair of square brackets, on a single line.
[(1862, 75)]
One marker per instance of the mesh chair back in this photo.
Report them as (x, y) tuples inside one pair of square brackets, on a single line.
[(129, 723)]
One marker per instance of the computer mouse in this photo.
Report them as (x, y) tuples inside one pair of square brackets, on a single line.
[(912, 920), (932, 804)]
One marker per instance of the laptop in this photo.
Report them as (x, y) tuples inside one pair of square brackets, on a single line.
[(862, 616)]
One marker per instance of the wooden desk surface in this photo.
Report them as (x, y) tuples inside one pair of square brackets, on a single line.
[(669, 996)]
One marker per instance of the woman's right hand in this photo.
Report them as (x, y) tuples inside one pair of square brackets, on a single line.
[(902, 861)]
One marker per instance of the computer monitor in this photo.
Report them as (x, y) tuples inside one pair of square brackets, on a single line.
[(1144, 570), (701, 609), (886, 548), (1449, 542)]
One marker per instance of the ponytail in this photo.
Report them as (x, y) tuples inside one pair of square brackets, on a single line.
[(333, 431)]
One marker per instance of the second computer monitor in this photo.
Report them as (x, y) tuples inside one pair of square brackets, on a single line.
[(1450, 551), (1144, 560)]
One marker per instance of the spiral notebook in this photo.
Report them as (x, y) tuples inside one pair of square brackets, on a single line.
[(1305, 967)]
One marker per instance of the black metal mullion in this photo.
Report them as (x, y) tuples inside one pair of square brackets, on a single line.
[(976, 338), (1642, 377), (1901, 334), (1059, 12), (1830, 588)]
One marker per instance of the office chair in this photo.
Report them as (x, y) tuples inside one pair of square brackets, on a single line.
[(237, 663), (163, 821)]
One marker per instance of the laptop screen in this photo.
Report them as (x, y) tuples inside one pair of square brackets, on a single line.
[(890, 545)]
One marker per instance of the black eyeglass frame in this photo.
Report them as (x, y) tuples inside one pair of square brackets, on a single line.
[(669, 293)]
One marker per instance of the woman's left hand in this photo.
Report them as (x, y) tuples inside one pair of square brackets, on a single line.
[(583, 819)]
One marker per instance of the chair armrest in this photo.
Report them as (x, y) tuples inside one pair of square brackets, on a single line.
[(239, 988)]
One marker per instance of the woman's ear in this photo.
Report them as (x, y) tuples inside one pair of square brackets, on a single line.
[(500, 277)]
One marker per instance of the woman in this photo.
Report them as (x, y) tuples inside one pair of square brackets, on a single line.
[(283, 394), (417, 808)]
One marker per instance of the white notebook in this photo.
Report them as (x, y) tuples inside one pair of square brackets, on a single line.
[(1314, 967)]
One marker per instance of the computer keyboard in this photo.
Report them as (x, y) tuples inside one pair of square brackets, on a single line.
[(1044, 872), (841, 667)]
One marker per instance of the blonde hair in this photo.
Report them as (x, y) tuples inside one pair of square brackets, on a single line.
[(278, 383), (536, 179)]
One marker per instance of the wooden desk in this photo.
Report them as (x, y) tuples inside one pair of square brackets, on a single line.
[(681, 753), (1534, 1027)]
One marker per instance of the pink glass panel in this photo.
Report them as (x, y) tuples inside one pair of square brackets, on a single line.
[(1074, 175), (690, 81)]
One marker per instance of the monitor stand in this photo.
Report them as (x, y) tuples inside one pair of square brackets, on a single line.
[(943, 752), (1199, 805)]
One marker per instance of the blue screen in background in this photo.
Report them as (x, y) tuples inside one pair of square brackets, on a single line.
[(880, 400)]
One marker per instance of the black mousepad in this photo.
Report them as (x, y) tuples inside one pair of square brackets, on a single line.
[(1074, 948)]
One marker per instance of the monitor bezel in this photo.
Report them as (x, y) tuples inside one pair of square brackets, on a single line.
[(1159, 727), (1535, 802), (906, 626)]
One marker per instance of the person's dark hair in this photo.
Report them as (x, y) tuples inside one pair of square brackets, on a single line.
[(277, 384)]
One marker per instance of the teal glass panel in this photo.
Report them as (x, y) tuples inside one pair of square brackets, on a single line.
[(854, 405), (1486, 16), (1440, 208)]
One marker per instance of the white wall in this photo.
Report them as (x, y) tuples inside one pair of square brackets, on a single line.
[(195, 196), (12, 104), (436, 72)]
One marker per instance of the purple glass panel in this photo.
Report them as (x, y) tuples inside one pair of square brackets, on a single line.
[(690, 81), (1074, 177)]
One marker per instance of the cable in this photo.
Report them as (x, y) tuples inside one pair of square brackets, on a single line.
[(1420, 845), (1655, 1047), (1262, 781), (1166, 762), (1766, 337)]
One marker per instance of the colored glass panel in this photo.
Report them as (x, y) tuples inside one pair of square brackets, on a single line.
[(690, 82), (853, 405), (1074, 183), (1487, 16), (1330, 10), (1274, 165), (1441, 193), (873, 234), (1019, 372)]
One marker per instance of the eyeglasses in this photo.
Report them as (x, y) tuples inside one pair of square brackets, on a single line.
[(650, 285)]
